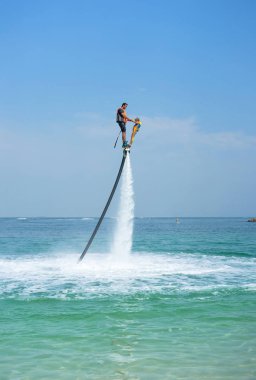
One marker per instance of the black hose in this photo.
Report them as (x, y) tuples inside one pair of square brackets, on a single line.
[(106, 207)]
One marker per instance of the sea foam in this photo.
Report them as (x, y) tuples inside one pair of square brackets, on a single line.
[(60, 276)]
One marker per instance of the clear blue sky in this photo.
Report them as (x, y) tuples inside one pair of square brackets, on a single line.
[(187, 68)]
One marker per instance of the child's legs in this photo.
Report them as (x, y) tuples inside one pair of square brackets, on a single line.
[(135, 130)]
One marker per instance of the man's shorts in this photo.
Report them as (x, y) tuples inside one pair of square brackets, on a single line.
[(122, 126)]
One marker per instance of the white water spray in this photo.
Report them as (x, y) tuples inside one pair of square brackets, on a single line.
[(122, 243)]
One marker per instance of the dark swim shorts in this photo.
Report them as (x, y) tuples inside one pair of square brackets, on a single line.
[(122, 126)]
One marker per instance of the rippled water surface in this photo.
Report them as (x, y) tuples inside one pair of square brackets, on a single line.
[(181, 306)]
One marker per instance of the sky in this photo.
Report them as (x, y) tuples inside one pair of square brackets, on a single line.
[(186, 68)]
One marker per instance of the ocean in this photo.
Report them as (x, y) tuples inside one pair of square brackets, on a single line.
[(179, 305)]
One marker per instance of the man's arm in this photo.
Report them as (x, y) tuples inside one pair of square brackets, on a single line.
[(123, 114), (127, 118)]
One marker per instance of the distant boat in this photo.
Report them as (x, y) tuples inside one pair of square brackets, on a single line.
[(252, 220), (177, 221)]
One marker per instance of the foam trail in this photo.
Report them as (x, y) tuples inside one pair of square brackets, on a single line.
[(122, 243)]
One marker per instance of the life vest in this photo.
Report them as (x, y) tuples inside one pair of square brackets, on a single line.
[(119, 115), (137, 125)]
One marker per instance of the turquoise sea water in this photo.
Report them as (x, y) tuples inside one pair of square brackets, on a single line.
[(182, 306)]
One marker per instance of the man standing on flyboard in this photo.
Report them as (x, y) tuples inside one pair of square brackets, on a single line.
[(121, 119)]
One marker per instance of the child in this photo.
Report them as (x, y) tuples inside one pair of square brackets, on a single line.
[(136, 129)]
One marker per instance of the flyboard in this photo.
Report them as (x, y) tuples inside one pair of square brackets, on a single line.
[(125, 151)]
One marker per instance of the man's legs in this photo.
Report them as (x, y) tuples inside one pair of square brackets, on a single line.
[(123, 129)]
